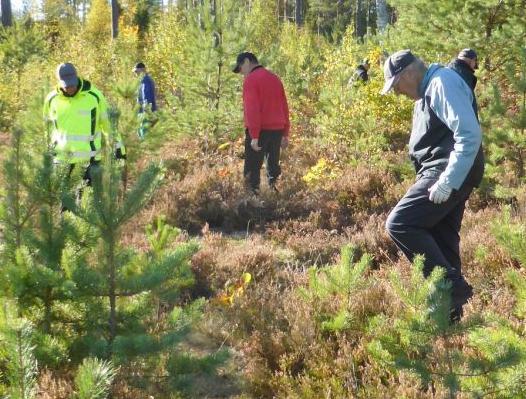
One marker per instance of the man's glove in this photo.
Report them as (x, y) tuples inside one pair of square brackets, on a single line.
[(255, 145), (119, 154), (439, 192)]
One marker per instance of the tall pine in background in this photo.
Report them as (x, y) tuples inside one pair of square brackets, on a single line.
[(97, 27)]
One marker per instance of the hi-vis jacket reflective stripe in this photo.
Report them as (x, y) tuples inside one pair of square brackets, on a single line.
[(76, 124)]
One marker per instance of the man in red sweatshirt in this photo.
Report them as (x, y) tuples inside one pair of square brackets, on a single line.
[(267, 124)]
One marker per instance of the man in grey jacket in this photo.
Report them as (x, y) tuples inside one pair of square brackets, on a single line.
[(445, 148)]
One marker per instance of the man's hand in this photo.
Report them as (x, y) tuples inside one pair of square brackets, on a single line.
[(439, 192), (284, 142), (255, 145)]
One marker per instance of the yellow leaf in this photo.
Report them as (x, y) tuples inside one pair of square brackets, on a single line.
[(247, 278)]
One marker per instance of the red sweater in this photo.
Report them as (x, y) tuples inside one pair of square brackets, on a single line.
[(264, 103)]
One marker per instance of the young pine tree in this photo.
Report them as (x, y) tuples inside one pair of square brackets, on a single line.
[(502, 345), (474, 357), (121, 288), (507, 130), (18, 365), (93, 379), (38, 238), (421, 339), (16, 207), (332, 288), (208, 104)]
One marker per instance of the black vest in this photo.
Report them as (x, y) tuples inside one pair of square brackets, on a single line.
[(431, 143), (466, 73)]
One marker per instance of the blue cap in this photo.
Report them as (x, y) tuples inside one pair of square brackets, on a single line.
[(67, 75)]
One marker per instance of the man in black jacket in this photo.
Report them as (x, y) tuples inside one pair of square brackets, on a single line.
[(362, 70), (465, 65), (360, 73)]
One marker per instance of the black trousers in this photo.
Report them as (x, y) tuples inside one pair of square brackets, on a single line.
[(270, 143), (419, 226), (88, 172)]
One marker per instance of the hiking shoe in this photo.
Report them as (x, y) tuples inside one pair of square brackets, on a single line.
[(460, 294)]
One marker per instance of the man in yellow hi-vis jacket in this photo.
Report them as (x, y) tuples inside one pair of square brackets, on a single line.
[(76, 114)]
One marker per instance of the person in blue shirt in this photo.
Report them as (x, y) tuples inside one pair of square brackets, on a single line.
[(145, 98), (445, 148)]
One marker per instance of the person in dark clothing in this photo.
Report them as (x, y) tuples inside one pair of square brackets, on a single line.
[(465, 65), (145, 98), (266, 116), (445, 148), (361, 73)]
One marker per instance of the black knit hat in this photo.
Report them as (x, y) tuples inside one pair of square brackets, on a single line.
[(139, 65), (467, 53), (241, 58)]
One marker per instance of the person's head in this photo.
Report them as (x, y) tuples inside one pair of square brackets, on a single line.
[(469, 56), (365, 63), (245, 62), (139, 68), (68, 79), (403, 73)]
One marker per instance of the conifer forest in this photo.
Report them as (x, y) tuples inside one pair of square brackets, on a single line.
[(152, 269)]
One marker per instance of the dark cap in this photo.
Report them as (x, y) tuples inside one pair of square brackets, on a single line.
[(241, 58), (394, 65), (139, 65), (467, 53), (67, 75)]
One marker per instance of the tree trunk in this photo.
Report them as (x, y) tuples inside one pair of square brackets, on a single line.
[(112, 294), (382, 16), (361, 19), (115, 11), (299, 12), (7, 14)]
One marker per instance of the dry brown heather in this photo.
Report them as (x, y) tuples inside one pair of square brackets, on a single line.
[(281, 352), (277, 238)]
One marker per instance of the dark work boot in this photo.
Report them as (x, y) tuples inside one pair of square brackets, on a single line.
[(461, 292)]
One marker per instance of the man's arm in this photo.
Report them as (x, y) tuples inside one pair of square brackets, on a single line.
[(251, 108), (285, 112), (451, 100), (143, 99), (104, 121), (149, 92), (46, 109)]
